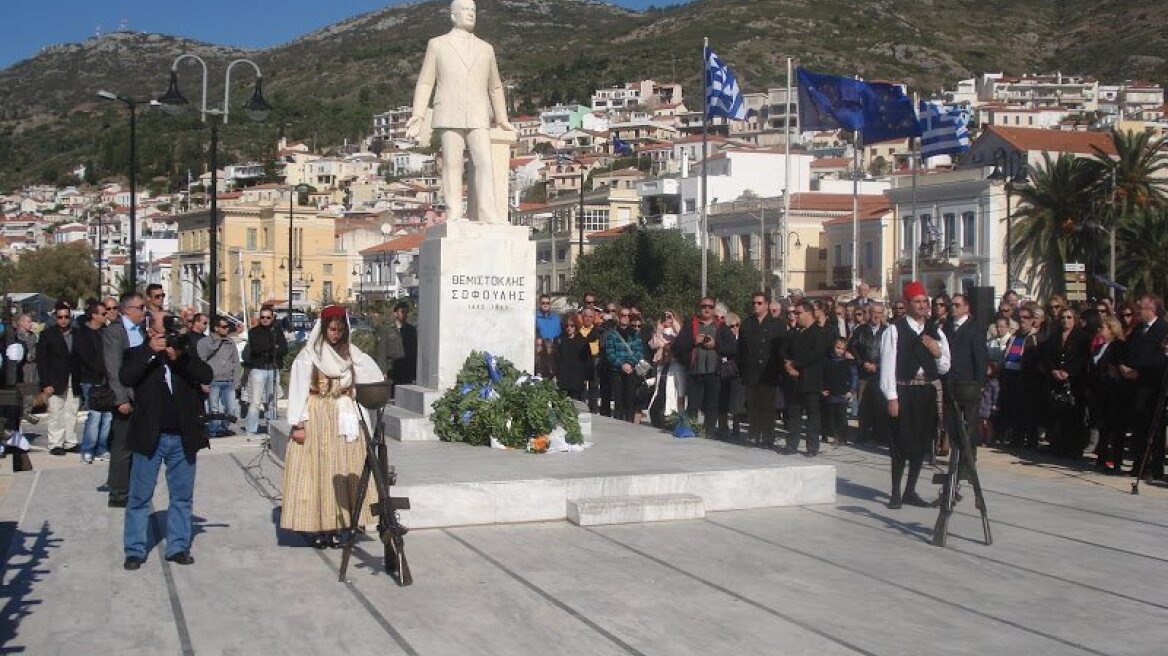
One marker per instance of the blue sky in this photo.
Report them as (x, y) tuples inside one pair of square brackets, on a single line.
[(33, 24)]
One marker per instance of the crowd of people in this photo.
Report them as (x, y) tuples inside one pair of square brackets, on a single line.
[(1071, 378), (156, 386)]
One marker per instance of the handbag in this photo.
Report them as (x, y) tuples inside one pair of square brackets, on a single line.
[(101, 398), (643, 368), (1062, 396)]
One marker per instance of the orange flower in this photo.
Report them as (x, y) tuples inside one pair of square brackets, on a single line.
[(538, 444)]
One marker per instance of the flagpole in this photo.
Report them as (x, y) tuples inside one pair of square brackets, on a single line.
[(786, 188), (702, 243), (913, 224), (859, 134)]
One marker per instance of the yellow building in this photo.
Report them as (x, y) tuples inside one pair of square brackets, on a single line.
[(254, 256)]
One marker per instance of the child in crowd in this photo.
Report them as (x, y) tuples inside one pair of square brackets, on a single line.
[(989, 402), (839, 386)]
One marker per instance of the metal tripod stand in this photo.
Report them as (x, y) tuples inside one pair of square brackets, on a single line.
[(961, 467), (374, 397)]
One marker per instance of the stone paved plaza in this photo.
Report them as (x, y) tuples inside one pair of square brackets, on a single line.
[(1079, 566)]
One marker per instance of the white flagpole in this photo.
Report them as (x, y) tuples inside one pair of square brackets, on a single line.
[(786, 188), (914, 239), (856, 208), (702, 240)]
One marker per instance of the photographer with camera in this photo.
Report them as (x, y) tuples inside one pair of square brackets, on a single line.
[(218, 351), (167, 426), (265, 351)]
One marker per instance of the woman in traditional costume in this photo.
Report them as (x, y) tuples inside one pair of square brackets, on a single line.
[(326, 450)]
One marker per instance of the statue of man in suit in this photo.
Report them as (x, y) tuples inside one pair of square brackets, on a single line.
[(461, 73)]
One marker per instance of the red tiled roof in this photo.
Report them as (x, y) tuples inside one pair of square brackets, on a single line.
[(831, 163), (1054, 141), (611, 233), (814, 201), (405, 243)]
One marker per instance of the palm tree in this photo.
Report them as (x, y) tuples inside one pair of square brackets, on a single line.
[(1132, 179), (1143, 239), (1046, 232)]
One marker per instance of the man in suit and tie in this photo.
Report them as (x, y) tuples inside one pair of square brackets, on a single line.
[(805, 356), (168, 426), (460, 71), (969, 357), (1143, 371), (126, 332)]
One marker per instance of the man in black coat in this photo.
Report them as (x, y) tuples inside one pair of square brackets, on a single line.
[(405, 368), (969, 357), (759, 355), (263, 357), (54, 355), (805, 354), (167, 426), (1143, 368)]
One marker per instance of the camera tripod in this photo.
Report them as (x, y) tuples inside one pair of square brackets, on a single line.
[(374, 397), (961, 467)]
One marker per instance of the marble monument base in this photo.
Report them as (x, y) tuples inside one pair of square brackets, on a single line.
[(477, 293), (630, 474)]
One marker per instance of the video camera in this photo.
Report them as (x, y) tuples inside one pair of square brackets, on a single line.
[(176, 338)]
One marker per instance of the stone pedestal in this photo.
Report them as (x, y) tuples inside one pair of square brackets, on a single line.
[(477, 286)]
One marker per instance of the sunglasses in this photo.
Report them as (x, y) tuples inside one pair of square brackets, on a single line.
[(707, 307), (62, 316), (158, 295), (732, 325), (263, 318), (111, 308), (624, 314)]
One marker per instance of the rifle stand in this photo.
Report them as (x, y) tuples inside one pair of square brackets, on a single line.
[(961, 467), (374, 397)]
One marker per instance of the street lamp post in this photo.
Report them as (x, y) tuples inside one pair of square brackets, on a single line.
[(1010, 166), (787, 255), (257, 109), (132, 105), (292, 193)]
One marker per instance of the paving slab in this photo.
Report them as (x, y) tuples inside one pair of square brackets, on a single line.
[(1078, 567)]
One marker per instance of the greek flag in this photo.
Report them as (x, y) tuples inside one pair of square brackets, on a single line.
[(944, 130), (723, 97)]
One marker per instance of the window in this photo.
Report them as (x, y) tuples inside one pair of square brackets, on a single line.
[(561, 255), (928, 232), (327, 291), (869, 262), (745, 246), (328, 269), (968, 232), (839, 255), (690, 206), (251, 239), (595, 219), (906, 240), (950, 220)]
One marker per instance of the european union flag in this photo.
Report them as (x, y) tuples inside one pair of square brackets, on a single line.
[(888, 114), (879, 110), (829, 102), (621, 147)]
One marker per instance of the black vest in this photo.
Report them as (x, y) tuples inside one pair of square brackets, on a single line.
[(911, 354)]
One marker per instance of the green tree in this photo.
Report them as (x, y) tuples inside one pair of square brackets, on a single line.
[(1134, 178), (660, 269), (1050, 209), (64, 271), (1143, 241)]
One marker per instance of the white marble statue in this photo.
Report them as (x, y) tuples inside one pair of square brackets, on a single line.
[(460, 71)]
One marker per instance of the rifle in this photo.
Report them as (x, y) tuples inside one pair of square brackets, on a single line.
[(961, 466), (374, 396)]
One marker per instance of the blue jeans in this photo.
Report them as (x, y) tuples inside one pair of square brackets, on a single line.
[(95, 435), (222, 401), (261, 390), (180, 486)]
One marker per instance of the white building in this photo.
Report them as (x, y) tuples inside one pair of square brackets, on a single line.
[(1073, 92), (648, 93), (391, 125), (735, 172)]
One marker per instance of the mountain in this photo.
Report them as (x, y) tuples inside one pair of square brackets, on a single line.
[(326, 85)]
